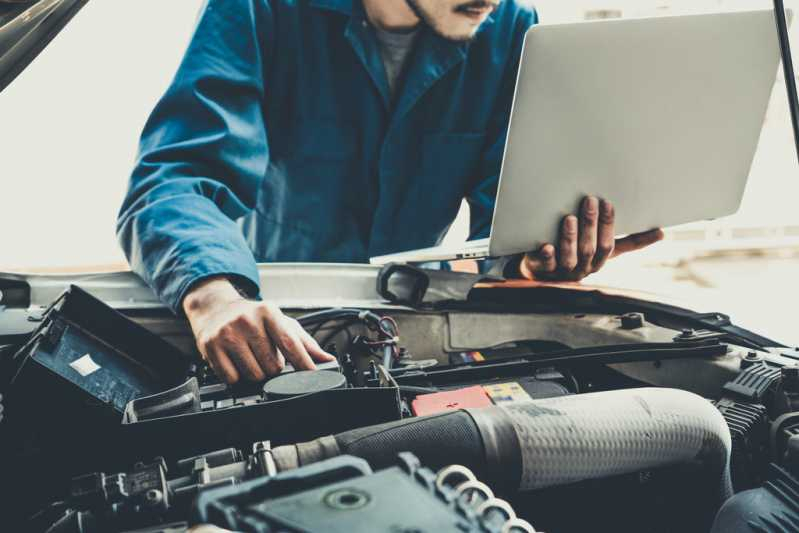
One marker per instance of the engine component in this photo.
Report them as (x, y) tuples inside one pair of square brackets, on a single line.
[(757, 382), (146, 495), (106, 375), (549, 442), (179, 400), (92, 361), (523, 389), (545, 384), (360, 500), (303, 382), (302, 500), (437, 402), (749, 428), (773, 508)]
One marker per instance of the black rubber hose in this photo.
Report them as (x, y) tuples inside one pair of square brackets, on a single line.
[(545, 443), (443, 439)]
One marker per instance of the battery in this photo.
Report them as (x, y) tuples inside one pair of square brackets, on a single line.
[(471, 397)]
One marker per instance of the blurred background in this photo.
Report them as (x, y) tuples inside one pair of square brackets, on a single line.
[(70, 126)]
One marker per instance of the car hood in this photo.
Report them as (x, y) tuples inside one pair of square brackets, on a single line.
[(294, 285), (309, 286), (26, 28)]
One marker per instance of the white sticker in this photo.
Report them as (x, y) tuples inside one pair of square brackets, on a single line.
[(85, 365)]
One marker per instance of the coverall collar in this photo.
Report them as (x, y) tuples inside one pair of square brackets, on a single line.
[(434, 58)]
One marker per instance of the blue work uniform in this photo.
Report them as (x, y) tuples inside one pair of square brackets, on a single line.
[(279, 140)]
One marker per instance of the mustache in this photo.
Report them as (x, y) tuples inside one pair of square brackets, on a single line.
[(477, 4)]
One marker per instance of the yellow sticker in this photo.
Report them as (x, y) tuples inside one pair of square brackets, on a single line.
[(510, 392), (477, 357)]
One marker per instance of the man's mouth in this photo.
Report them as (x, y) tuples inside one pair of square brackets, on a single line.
[(477, 9)]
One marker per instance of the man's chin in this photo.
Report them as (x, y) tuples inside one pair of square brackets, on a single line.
[(459, 38), (461, 33)]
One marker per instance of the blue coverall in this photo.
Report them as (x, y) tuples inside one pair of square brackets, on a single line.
[(278, 140)]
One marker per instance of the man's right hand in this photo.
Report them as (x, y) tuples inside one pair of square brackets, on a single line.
[(241, 338)]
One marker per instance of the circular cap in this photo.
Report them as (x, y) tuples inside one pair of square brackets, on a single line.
[(303, 382)]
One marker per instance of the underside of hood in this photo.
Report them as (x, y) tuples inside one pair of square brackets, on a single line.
[(26, 28)]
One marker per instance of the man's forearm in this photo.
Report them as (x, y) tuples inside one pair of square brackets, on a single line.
[(207, 292)]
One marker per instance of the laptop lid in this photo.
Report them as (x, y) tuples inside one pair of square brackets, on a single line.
[(661, 116)]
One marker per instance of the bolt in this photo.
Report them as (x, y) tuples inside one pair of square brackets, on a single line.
[(632, 321), (153, 497), (751, 359)]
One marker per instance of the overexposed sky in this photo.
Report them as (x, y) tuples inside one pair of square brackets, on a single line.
[(70, 124)]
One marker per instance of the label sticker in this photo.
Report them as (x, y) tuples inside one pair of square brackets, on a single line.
[(85, 365), (510, 392)]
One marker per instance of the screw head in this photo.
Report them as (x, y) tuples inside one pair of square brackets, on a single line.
[(153, 497), (751, 359)]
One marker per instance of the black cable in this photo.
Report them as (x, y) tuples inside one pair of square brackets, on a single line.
[(386, 328), (336, 331), (328, 315), (787, 65), (388, 355)]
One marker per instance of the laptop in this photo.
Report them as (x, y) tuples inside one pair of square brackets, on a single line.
[(660, 116)]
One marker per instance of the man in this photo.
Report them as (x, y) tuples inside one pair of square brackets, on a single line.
[(327, 130)]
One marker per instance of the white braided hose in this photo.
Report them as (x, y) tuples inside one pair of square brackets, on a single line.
[(593, 436)]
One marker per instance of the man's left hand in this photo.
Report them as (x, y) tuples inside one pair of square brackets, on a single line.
[(586, 243)]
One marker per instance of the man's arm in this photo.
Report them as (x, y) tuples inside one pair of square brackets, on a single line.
[(203, 153)]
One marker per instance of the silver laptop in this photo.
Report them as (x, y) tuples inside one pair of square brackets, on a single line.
[(660, 116)]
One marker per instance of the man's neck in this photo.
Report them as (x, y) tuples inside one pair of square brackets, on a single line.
[(391, 15)]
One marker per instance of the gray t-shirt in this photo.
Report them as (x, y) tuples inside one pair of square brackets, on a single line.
[(395, 47)]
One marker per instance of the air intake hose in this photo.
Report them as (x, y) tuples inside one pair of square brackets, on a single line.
[(543, 443)]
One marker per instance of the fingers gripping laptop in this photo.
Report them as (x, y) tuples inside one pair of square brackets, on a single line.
[(661, 116)]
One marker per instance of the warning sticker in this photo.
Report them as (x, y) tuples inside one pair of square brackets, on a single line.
[(85, 365), (510, 392)]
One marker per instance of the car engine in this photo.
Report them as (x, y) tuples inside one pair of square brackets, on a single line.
[(433, 418)]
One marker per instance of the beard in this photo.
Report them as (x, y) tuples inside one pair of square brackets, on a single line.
[(437, 25)]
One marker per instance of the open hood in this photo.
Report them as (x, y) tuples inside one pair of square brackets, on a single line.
[(26, 27)]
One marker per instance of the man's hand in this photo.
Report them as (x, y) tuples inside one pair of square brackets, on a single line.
[(241, 338), (586, 243)]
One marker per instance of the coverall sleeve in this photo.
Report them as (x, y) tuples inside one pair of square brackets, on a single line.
[(483, 194), (202, 155)]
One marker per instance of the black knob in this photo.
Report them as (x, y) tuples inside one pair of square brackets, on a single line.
[(632, 321)]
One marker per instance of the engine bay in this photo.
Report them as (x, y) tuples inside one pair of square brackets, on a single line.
[(566, 412)]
